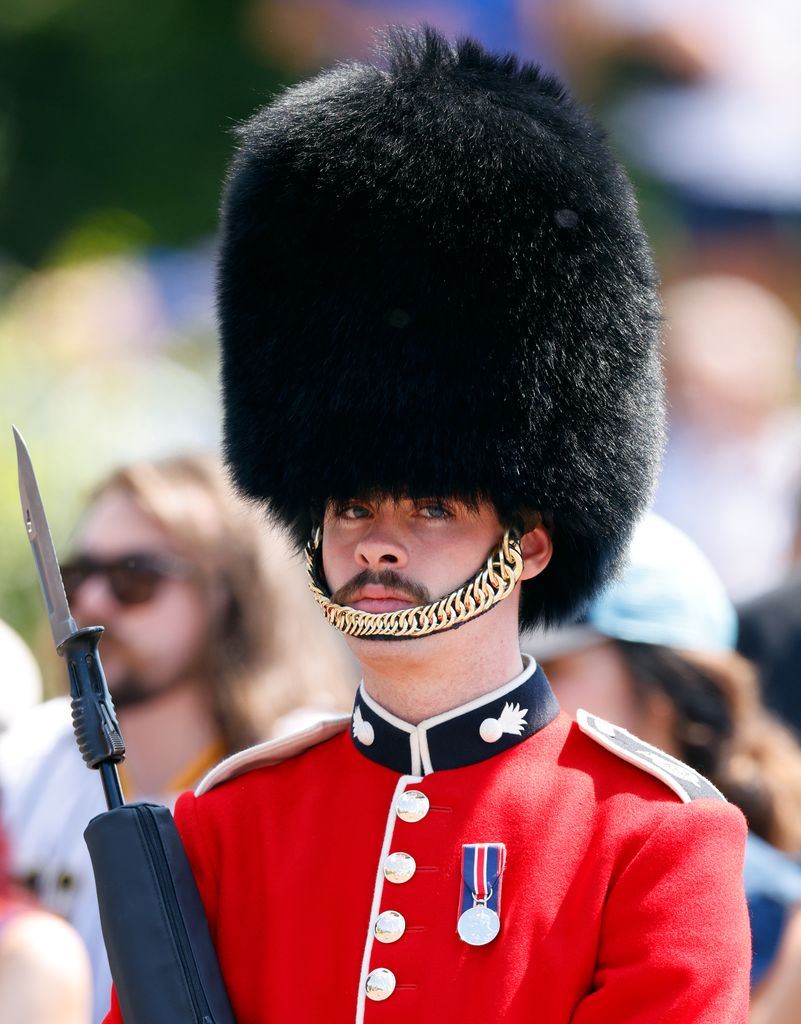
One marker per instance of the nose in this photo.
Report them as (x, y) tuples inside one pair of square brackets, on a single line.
[(381, 547), (93, 600)]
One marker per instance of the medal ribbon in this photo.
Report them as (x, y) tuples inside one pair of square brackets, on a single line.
[(482, 867)]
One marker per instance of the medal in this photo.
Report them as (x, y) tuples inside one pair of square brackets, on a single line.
[(478, 925), (479, 910)]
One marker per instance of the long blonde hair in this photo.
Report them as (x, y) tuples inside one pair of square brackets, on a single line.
[(269, 650)]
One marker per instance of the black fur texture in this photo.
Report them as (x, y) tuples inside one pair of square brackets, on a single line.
[(433, 282)]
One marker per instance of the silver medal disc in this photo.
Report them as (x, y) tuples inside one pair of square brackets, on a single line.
[(478, 925)]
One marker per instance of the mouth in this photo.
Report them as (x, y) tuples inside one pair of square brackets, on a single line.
[(378, 599)]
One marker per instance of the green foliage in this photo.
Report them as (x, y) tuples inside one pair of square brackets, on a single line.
[(115, 130), (115, 121)]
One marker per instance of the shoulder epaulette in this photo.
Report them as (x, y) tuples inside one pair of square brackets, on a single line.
[(683, 780), (272, 752)]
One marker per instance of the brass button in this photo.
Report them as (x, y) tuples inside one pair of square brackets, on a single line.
[(399, 867), (389, 926), (412, 805), (380, 984)]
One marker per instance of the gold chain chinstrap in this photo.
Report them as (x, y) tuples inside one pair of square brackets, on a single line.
[(491, 585)]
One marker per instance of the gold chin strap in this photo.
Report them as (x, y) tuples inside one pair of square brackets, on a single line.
[(491, 585)]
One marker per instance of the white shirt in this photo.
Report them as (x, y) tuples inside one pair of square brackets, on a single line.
[(48, 798)]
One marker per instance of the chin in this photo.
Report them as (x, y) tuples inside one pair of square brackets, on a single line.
[(482, 630), (412, 652), (372, 650)]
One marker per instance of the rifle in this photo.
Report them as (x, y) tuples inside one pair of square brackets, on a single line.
[(162, 959)]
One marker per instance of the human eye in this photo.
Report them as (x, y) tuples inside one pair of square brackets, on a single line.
[(434, 510), (351, 510)]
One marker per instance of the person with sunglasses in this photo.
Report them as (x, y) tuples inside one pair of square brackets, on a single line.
[(208, 647), (441, 375)]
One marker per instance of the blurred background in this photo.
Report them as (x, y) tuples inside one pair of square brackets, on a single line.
[(115, 130)]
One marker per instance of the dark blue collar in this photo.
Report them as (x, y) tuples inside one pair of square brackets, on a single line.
[(466, 735)]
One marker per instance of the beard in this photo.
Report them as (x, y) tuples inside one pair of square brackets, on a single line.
[(132, 684), (130, 690)]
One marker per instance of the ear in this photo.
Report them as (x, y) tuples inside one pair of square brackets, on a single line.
[(537, 548)]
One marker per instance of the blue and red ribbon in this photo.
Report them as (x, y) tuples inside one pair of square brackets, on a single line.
[(482, 868)]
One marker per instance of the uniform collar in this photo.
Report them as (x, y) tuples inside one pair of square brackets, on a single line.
[(465, 735)]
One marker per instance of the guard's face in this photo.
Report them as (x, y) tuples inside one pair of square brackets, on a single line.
[(383, 555), (155, 626)]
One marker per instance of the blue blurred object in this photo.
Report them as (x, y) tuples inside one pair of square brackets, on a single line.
[(773, 889), (668, 594), (498, 24)]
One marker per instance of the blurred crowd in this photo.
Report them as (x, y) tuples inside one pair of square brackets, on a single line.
[(111, 170)]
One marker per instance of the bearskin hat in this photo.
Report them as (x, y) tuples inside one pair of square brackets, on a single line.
[(433, 282)]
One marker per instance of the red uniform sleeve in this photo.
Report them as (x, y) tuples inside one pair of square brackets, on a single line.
[(675, 942), (201, 859), (196, 850), (113, 1016)]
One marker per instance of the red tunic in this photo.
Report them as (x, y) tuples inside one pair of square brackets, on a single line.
[(619, 902)]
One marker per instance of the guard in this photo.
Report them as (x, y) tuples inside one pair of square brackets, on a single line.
[(441, 374)]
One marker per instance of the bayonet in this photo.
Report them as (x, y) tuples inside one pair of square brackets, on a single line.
[(62, 624), (95, 723), (144, 881)]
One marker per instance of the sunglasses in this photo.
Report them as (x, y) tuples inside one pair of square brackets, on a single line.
[(132, 579)]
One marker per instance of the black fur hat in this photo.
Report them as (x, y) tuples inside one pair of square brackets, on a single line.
[(433, 281)]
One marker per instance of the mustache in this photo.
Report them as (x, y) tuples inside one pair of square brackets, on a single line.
[(388, 578)]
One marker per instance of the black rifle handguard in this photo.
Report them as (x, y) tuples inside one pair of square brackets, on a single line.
[(162, 959)]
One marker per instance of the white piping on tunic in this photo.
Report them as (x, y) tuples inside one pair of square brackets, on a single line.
[(378, 889), (272, 752), (417, 759), (425, 756)]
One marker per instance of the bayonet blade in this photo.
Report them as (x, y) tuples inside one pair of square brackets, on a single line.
[(62, 623)]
